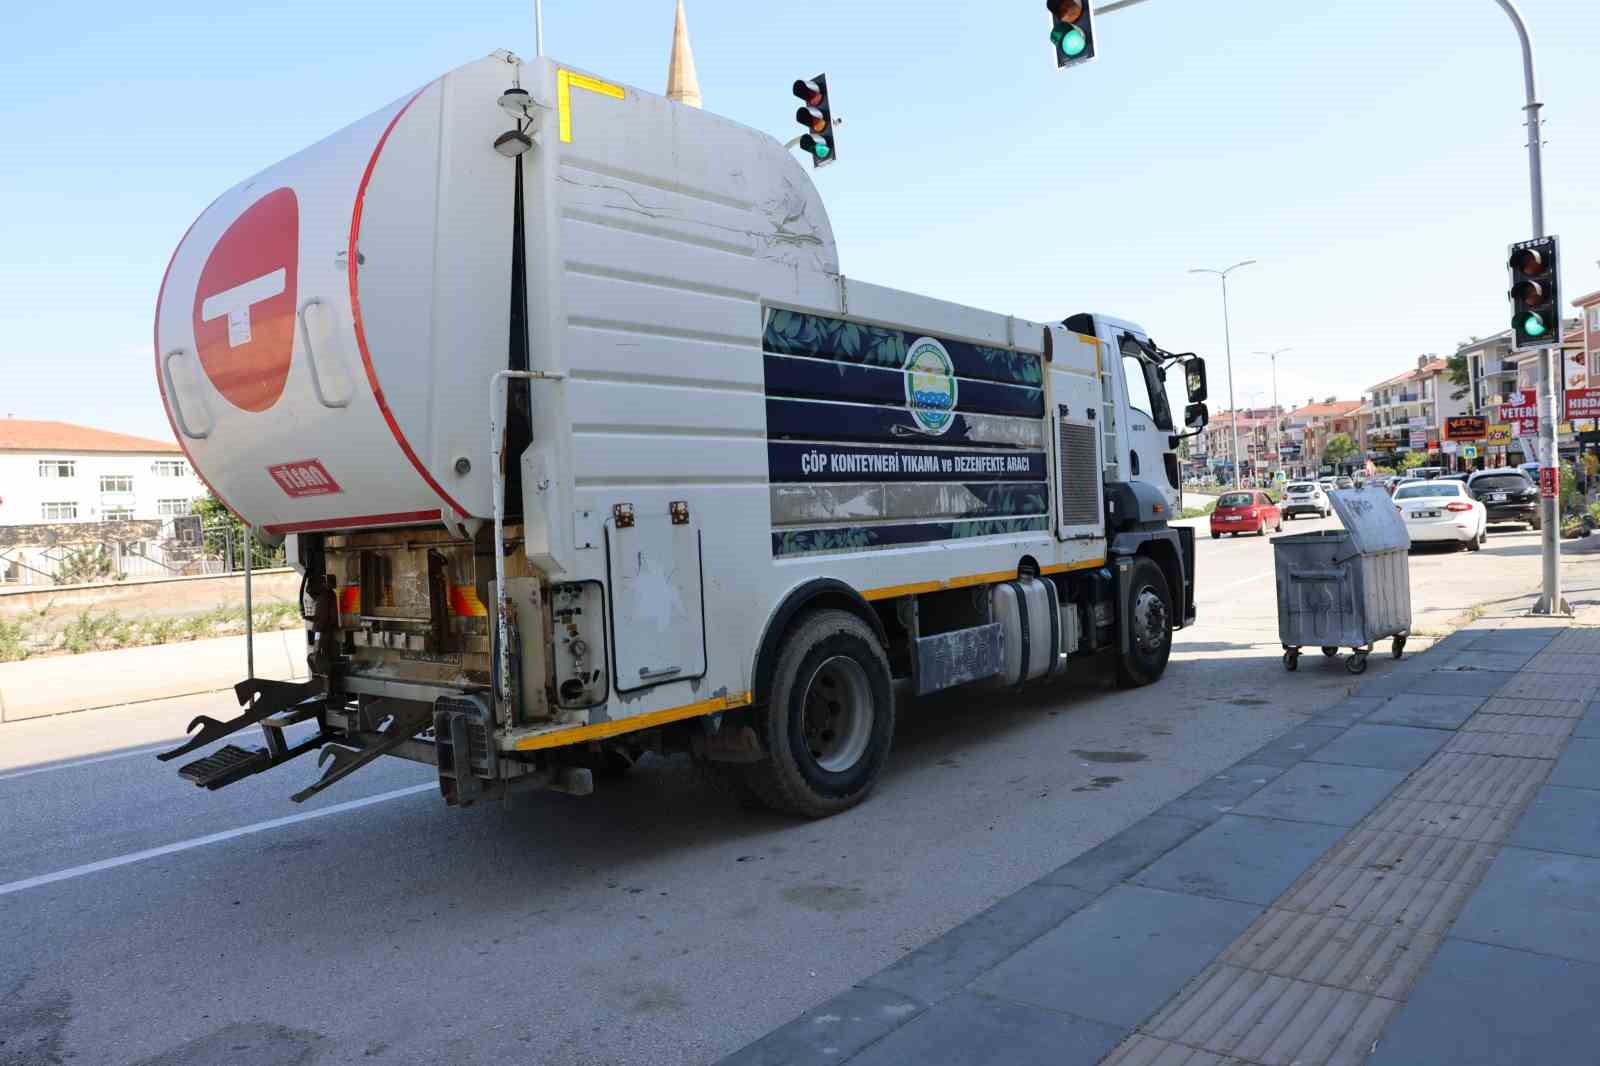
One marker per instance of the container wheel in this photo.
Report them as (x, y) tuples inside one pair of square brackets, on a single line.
[(1357, 663), (829, 718), (1330, 652), (1291, 660), (1399, 648)]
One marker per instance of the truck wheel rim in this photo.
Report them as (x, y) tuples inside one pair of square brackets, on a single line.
[(1149, 620), (838, 714)]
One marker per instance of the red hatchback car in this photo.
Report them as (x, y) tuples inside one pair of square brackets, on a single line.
[(1246, 512)]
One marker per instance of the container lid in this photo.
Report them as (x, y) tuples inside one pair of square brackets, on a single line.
[(1371, 519)]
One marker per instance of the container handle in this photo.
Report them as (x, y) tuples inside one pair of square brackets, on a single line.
[(172, 398), (1316, 575), (311, 357)]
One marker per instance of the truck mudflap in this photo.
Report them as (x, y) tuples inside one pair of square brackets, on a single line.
[(273, 705)]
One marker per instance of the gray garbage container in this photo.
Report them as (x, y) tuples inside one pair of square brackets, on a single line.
[(1346, 588)]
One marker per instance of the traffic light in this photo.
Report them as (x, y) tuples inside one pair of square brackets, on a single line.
[(816, 115), (1072, 31), (1535, 303)]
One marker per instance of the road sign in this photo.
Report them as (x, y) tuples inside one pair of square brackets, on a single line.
[(1469, 451), (1583, 403)]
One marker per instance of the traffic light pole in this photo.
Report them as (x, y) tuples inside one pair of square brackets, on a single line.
[(1550, 600)]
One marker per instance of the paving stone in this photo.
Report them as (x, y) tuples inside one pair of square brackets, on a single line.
[(1113, 861), (1537, 901), (1388, 747), (1488, 1006), (1139, 1050), (1484, 659), (1583, 640), (1451, 821), (1579, 766), (1561, 819), (1371, 959), (1471, 683), (1428, 712), (1480, 780), (1293, 746), (830, 1032), (1527, 643), (1347, 712), (1586, 667), (1504, 746), (1377, 897), (1535, 686), (976, 1030), (1433, 857), (1589, 724), (1217, 796), (1321, 792), (1249, 859), (956, 959), (1123, 956), (1519, 725)]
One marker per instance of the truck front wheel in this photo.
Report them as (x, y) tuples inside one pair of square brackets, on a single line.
[(1149, 614), (829, 718)]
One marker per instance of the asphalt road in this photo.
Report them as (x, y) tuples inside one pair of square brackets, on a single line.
[(145, 921)]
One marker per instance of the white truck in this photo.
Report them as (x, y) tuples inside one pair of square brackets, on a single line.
[(585, 448)]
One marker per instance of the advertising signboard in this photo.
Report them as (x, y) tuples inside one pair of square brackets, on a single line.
[(1419, 441), (1499, 435), (1466, 427), (1522, 412), (1583, 403)]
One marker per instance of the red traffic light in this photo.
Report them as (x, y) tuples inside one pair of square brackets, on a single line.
[(1529, 261), (809, 91), (1065, 10)]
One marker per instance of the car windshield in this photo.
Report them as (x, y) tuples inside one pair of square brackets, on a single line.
[(1235, 499), (1301, 487), (1428, 488), (1501, 483)]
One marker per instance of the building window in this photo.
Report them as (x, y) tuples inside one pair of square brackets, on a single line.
[(58, 468), (170, 468), (116, 483), (172, 508), (56, 512), (117, 514)]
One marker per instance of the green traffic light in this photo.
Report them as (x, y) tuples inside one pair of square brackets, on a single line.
[(822, 151), (1534, 326), (1070, 40)]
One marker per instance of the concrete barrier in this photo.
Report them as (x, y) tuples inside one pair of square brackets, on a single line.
[(166, 595), (58, 684)]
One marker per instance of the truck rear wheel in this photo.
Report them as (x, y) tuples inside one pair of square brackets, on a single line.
[(829, 718), (1149, 614)]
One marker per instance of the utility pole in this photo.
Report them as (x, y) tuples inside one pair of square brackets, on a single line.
[(1227, 340), (1277, 412), (538, 27)]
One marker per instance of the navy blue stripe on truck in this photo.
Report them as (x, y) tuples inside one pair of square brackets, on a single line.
[(820, 420), (821, 337)]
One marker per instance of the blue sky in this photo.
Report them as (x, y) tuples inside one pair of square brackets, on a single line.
[(1369, 155)]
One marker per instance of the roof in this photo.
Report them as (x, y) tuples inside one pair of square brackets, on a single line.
[(1336, 409), (1436, 366), (24, 435)]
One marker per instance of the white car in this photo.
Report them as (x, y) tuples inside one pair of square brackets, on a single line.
[(1442, 510), (1305, 497)]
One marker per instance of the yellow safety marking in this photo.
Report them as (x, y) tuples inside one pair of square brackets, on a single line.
[(566, 80), (916, 588), (629, 725)]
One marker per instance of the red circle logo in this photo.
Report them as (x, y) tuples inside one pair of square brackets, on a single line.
[(244, 304)]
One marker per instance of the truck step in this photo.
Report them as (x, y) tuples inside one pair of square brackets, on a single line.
[(225, 766)]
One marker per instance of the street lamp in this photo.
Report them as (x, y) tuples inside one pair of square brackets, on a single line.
[(1277, 412), (1227, 338)]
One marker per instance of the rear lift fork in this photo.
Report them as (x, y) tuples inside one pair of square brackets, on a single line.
[(273, 705)]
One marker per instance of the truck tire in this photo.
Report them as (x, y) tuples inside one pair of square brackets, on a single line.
[(1149, 614), (829, 718)]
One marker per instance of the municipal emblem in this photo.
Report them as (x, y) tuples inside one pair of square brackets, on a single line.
[(930, 386)]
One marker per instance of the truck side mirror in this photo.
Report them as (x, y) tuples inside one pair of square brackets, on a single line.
[(1195, 416), (1194, 376)]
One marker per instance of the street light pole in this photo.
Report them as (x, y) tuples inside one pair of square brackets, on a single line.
[(1277, 412), (1227, 340)]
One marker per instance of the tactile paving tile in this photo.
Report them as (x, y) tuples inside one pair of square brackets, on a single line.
[(1434, 857), (1259, 1018), (1575, 667), (1140, 1050), (1538, 686), (1378, 897), (1374, 959), (1506, 746), (1451, 821), (1480, 780), (1525, 725)]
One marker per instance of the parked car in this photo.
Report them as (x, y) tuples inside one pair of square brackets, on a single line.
[(1442, 511), (1344, 483), (1245, 512), (1508, 495), (1305, 497), (1427, 473)]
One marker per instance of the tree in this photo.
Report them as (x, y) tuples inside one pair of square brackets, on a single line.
[(1458, 374), (1339, 448), (1412, 460), (224, 534)]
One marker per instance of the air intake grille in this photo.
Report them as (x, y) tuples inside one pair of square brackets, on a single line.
[(1078, 467)]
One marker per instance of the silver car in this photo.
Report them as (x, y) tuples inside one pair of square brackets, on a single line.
[(1305, 497)]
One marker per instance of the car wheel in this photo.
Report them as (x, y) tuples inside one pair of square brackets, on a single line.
[(829, 718)]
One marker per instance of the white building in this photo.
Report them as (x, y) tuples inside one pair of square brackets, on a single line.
[(55, 472)]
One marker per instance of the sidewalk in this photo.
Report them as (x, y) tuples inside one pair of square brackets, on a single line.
[(1411, 878)]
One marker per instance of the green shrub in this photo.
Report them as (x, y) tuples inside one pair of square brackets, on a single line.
[(13, 642)]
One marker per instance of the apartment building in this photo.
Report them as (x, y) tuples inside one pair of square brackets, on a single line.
[(56, 472), (1407, 411), (1308, 429)]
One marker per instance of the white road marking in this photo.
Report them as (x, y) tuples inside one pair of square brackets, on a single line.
[(85, 762), (213, 838)]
